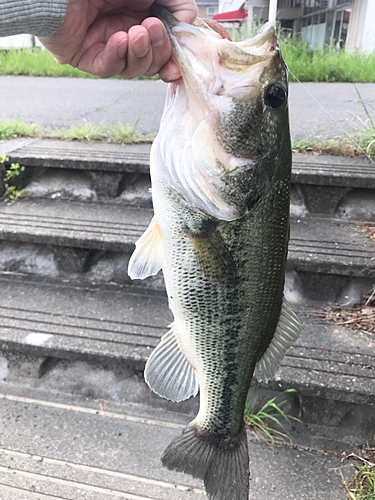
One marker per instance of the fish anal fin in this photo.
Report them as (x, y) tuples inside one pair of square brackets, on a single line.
[(222, 464), (147, 258), (288, 329), (168, 372)]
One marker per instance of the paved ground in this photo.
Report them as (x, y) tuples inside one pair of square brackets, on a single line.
[(83, 449), (60, 102)]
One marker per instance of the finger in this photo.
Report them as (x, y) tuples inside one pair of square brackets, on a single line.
[(170, 72), (160, 45), (184, 10), (139, 57), (106, 59)]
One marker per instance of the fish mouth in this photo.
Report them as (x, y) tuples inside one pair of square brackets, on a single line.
[(212, 65)]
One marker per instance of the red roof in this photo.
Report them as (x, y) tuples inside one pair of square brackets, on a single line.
[(234, 15)]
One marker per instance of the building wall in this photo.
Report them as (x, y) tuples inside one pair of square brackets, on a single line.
[(361, 33), (289, 13), (319, 22), (19, 42), (202, 11), (325, 22), (369, 29), (207, 11), (314, 35), (357, 20)]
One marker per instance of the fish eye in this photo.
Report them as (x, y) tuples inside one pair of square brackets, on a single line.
[(275, 96)]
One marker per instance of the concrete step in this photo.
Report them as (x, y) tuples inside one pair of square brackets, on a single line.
[(93, 241), (119, 326), (83, 225), (69, 447), (307, 169), (339, 171), (320, 184), (101, 156)]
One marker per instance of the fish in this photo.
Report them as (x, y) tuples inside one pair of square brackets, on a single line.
[(220, 169)]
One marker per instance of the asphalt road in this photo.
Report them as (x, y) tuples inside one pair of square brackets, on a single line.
[(60, 102)]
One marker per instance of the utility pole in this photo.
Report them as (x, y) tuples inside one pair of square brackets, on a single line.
[(250, 15), (272, 11)]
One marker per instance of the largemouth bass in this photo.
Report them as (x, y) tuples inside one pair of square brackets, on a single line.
[(220, 170)]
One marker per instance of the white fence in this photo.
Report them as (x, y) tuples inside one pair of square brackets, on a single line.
[(18, 42)]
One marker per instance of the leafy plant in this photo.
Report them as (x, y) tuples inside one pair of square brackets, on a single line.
[(270, 414), (9, 129), (12, 193), (84, 132), (362, 485)]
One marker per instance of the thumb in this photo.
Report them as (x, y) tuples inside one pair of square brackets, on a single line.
[(184, 10)]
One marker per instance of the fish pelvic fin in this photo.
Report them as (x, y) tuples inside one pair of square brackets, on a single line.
[(168, 372), (147, 258), (288, 329), (223, 464)]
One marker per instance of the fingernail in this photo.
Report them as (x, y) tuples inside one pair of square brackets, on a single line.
[(141, 46), (172, 78), (156, 35)]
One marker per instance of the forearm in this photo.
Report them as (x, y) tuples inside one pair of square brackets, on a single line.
[(35, 17)]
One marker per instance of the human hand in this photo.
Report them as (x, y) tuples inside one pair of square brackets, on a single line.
[(117, 37)]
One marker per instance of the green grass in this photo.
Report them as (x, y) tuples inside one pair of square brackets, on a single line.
[(38, 62), (35, 62), (364, 143), (362, 485), (326, 65), (119, 133), (266, 422), (308, 66)]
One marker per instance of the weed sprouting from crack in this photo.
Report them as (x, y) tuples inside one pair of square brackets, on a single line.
[(263, 421), (362, 484), (12, 193)]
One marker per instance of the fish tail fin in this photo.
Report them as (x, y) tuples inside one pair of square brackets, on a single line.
[(222, 464)]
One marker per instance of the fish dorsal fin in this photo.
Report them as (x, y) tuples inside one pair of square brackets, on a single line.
[(147, 258), (288, 329), (168, 372)]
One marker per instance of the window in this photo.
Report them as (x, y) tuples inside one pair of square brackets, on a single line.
[(211, 11)]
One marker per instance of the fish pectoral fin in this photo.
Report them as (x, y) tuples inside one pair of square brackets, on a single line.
[(288, 329), (168, 372), (214, 259), (147, 258)]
